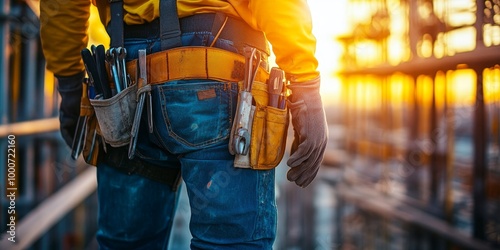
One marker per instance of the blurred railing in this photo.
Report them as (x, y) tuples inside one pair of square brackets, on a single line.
[(55, 202), (421, 84)]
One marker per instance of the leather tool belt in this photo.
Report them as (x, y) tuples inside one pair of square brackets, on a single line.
[(195, 63)]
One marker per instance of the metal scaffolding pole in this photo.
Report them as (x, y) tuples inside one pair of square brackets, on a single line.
[(4, 61), (4, 90)]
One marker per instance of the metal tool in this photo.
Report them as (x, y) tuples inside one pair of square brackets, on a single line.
[(240, 143), (142, 81), (90, 67), (149, 108), (92, 145), (110, 58), (81, 127), (275, 87), (121, 53), (99, 56)]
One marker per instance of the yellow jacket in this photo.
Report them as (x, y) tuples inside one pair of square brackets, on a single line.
[(286, 24)]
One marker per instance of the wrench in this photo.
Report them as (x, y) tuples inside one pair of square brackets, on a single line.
[(110, 58), (121, 54)]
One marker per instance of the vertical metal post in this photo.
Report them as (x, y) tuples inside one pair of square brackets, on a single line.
[(4, 96), (434, 165), (4, 60), (413, 154), (479, 171), (450, 148)]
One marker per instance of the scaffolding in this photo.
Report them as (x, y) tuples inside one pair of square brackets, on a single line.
[(422, 94)]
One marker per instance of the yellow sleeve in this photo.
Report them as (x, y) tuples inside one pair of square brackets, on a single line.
[(63, 33), (288, 27)]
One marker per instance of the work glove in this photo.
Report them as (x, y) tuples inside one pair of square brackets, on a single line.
[(70, 89), (310, 132)]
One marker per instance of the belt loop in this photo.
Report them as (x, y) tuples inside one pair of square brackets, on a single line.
[(170, 31)]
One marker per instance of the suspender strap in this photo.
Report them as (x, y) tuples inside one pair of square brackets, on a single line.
[(116, 23), (170, 31)]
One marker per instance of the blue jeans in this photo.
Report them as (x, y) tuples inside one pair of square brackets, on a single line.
[(231, 208)]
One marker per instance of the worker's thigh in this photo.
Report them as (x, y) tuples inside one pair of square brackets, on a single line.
[(231, 208), (134, 212)]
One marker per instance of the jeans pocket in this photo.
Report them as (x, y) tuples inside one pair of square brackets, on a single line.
[(194, 115)]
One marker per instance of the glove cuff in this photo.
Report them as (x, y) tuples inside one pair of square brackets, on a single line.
[(302, 90), (70, 83)]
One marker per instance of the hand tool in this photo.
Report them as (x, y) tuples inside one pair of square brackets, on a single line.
[(142, 81), (275, 87), (92, 145), (90, 67), (77, 145), (110, 58), (78, 138), (99, 55), (149, 107), (121, 53), (240, 144)]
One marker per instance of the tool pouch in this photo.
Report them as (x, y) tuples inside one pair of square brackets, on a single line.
[(268, 132), (115, 116), (91, 142)]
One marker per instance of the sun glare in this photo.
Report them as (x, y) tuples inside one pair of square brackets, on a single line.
[(329, 21)]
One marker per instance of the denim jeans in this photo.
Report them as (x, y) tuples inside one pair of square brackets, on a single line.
[(231, 208)]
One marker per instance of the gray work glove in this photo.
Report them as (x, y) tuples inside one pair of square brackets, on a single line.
[(70, 89), (311, 132)]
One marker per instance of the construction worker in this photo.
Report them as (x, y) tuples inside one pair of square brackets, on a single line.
[(231, 208)]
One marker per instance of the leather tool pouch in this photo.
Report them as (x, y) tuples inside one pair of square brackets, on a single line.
[(268, 132), (92, 140), (115, 116)]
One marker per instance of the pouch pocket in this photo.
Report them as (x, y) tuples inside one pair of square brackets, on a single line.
[(269, 131), (115, 116)]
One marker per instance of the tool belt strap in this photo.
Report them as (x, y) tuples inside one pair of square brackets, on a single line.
[(186, 63), (118, 159), (235, 30)]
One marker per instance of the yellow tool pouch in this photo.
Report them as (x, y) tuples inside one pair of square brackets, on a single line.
[(268, 132)]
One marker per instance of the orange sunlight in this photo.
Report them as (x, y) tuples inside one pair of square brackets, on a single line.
[(329, 20)]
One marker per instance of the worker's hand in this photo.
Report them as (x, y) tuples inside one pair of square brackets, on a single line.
[(311, 132), (70, 89)]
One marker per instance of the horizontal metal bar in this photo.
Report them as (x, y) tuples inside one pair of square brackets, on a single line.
[(392, 208), (30, 127), (481, 57), (45, 215)]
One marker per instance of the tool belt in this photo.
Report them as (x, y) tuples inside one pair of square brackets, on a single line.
[(116, 114), (186, 63)]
